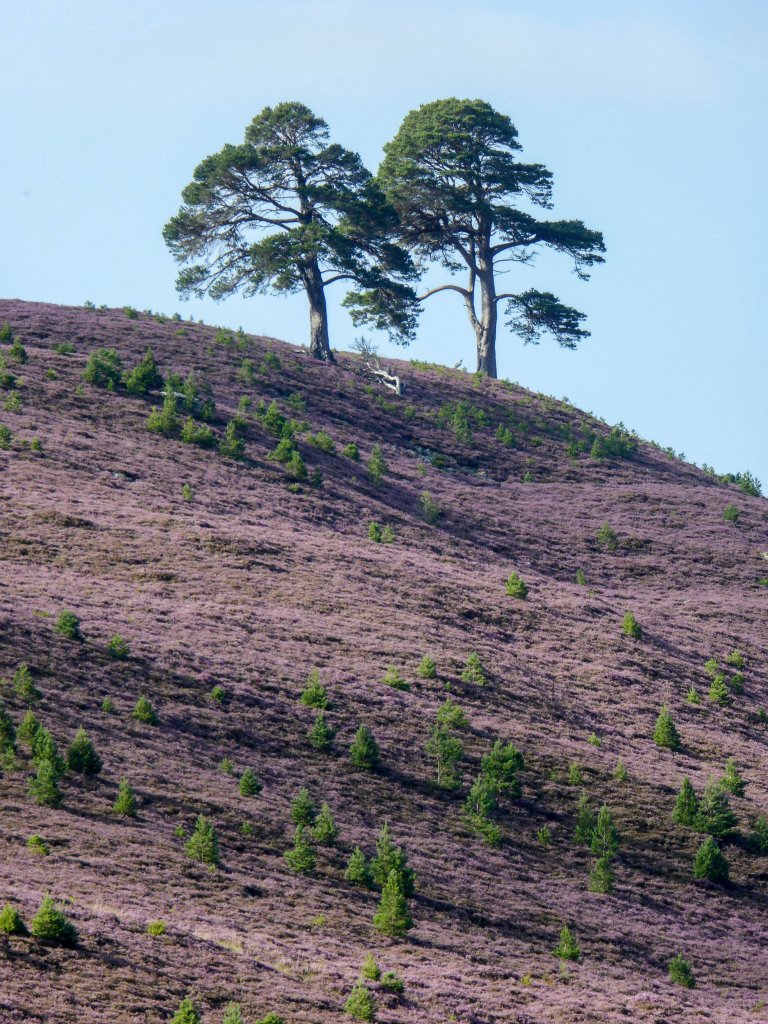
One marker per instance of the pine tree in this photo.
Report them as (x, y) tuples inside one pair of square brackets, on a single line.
[(186, 1013), (665, 734), (45, 748), (44, 787), (82, 756), (393, 916), (11, 922), (301, 856), (515, 587), (715, 814), (686, 808), (427, 668), (321, 734), (719, 692), (393, 678), (389, 858), (585, 821), (758, 838), (313, 695), (446, 751), (203, 844), (474, 672), (7, 730), (358, 871), (24, 686), (29, 728), (377, 465), (500, 768), (620, 772), (303, 810), (710, 863), (567, 948), (232, 1014), (144, 377), (144, 712), (680, 971), (605, 837), (51, 924), (451, 716), (125, 804), (325, 831), (602, 878), (364, 752), (732, 779), (249, 784), (631, 627), (370, 968), (361, 1005)]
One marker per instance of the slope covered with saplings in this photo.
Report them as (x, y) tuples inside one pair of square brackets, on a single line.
[(231, 553)]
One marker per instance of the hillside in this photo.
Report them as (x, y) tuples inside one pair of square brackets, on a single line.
[(254, 578)]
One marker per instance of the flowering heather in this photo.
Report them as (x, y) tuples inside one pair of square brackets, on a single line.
[(262, 577)]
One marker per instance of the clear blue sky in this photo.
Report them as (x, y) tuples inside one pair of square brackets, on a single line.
[(651, 115)]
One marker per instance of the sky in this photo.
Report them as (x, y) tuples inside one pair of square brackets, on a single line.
[(650, 115)]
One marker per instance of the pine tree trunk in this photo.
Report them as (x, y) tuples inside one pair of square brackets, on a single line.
[(485, 327), (319, 344)]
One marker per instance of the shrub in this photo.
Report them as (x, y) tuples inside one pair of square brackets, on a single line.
[(364, 752), (104, 368), (430, 510), (680, 971), (758, 838), (118, 647), (427, 668), (108, 706), (50, 924), (719, 692), (17, 353), (164, 420), (446, 751), (186, 1013), (295, 467), (686, 809), (631, 627), (665, 734), (186, 492), (361, 1005), (23, 685), (393, 678), (11, 922), (732, 780), (199, 434), (144, 712), (605, 837), (602, 878), (585, 821), (301, 856), (715, 814), (6, 437), (567, 948), (581, 579), (736, 682), (374, 533), (226, 766), (6, 334), (575, 774), (710, 863), (500, 766), (594, 740), (156, 928), (544, 836), (351, 451), (249, 784), (68, 624), (388, 858), (377, 466), (607, 538), (712, 668), (313, 695), (515, 587), (358, 871), (131, 313), (323, 441), (125, 803), (144, 377), (325, 831), (321, 734), (735, 659), (473, 671), (36, 844), (44, 787), (692, 696), (218, 694), (393, 917), (7, 730), (451, 716), (370, 968), (82, 756), (232, 446), (303, 810), (731, 514), (203, 844)]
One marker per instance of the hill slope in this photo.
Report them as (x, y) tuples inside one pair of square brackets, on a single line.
[(258, 579)]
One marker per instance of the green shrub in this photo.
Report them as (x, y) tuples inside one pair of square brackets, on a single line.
[(36, 844), (735, 659), (68, 624), (374, 533), (144, 712), (186, 1013), (108, 706), (226, 766), (44, 787), (144, 377), (581, 579), (358, 871), (351, 451), (391, 983), (203, 844), (544, 836), (602, 878), (295, 467), (249, 784), (232, 446), (325, 831), (131, 313), (361, 1005), (631, 627), (6, 334), (680, 971), (567, 948), (712, 668), (575, 774), (17, 353), (370, 968), (45, 748), (607, 538), (24, 686), (758, 838), (715, 814), (430, 510), (313, 695), (732, 780), (393, 917), (156, 928), (303, 810), (125, 802), (692, 696), (301, 856), (515, 587), (218, 694), (7, 730), (390, 857), (50, 924), (474, 671), (605, 837), (586, 820), (104, 368), (6, 438), (665, 734), (118, 647), (736, 682), (11, 922), (164, 420), (686, 809), (446, 751), (594, 740), (393, 678), (269, 362), (364, 752), (321, 734), (719, 692), (427, 668), (186, 493), (199, 434), (322, 441), (377, 465), (731, 514), (499, 767), (710, 863), (82, 756), (64, 348)]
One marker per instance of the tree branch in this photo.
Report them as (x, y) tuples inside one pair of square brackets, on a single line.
[(445, 288)]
